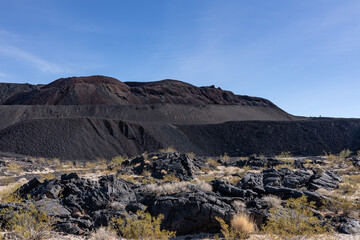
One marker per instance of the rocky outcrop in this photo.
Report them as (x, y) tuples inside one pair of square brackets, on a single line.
[(175, 164), (82, 205)]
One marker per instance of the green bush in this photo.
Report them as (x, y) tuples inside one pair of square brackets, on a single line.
[(143, 226), (28, 222), (295, 219)]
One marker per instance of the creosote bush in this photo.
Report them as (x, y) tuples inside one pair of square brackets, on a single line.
[(28, 221), (241, 227), (341, 204), (143, 226), (295, 219)]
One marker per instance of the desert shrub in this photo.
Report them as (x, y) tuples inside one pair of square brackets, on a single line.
[(206, 169), (91, 164), (349, 185), (272, 201), (170, 177), (341, 204), (103, 234), (205, 178), (295, 219), (212, 163), (41, 160), (47, 176), (9, 195), (191, 154), (143, 226), (168, 150), (345, 153), (13, 167), (234, 180), (225, 157), (331, 157), (241, 226), (289, 166), (28, 221), (56, 162), (118, 160), (284, 155), (7, 181)]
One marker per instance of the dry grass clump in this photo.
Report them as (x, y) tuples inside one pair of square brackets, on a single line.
[(168, 150), (167, 188), (234, 180), (176, 187), (204, 186), (241, 227), (103, 234), (56, 162), (284, 155), (272, 201), (118, 160), (13, 167), (242, 223), (239, 206), (170, 178), (290, 166), (142, 227), (212, 162), (206, 178), (225, 157)]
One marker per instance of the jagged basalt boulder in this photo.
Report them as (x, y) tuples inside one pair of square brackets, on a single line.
[(226, 189), (327, 180), (191, 212), (159, 165)]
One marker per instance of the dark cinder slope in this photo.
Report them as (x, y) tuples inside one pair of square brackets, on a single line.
[(8, 90), (313, 137), (91, 138), (88, 138), (146, 113)]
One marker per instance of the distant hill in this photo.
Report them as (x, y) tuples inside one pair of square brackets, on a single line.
[(95, 90), (98, 116)]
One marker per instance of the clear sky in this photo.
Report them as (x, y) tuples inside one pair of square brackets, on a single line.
[(302, 55)]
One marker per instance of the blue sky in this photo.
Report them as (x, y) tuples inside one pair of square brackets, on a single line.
[(302, 55)]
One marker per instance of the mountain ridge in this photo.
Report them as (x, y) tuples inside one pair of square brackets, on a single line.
[(98, 90)]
